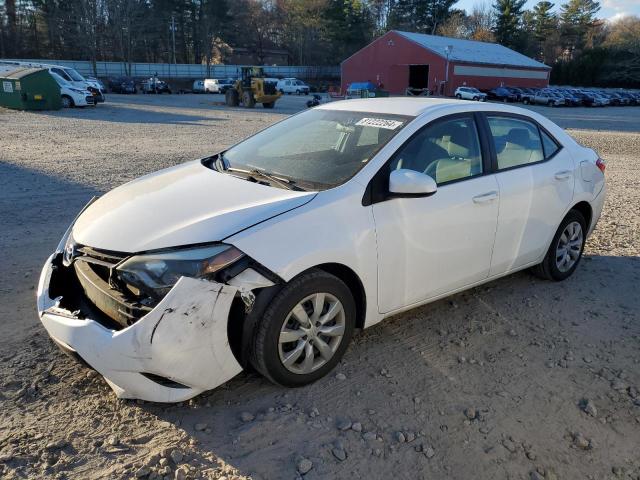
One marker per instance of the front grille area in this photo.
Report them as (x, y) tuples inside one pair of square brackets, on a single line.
[(93, 270)]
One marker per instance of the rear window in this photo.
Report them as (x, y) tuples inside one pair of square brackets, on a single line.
[(517, 141)]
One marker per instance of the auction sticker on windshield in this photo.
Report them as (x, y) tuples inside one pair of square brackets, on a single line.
[(379, 123)]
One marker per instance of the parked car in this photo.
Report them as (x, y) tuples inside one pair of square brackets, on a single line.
[(292, 85), (71, 95), (155, 85), (98, 82), (516, 91), (124, 85), (207, 85), (470, 93), (267, 253), (501, 94), (67, 73), (543, 97), (604, 100)]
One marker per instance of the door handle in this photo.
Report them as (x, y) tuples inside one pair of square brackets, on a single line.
[(563, 175), (485, 197)]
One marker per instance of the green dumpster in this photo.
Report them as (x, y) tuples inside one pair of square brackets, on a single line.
[(26, 88)]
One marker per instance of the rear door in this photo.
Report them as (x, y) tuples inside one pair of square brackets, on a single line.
[(536, 181)]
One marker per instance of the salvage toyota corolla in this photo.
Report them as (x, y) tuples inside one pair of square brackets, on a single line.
[(269, 254)]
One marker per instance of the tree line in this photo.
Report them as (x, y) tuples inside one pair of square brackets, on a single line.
[(581, 47)]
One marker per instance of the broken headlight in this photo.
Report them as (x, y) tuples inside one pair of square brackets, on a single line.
[(156, 273)]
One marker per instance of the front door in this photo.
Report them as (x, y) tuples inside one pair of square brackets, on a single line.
[(429, 246)]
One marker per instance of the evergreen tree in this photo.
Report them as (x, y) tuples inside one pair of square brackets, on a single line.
[(508, 21), (544, 20), (578, 19)]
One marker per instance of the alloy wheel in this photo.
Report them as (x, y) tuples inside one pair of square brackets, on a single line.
[(569, 246), (311, 333)]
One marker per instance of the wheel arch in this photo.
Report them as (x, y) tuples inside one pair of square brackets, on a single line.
[(586, 210), (241, 326), (352, 280)]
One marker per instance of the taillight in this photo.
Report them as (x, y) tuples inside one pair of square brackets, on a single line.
[(601, 165)]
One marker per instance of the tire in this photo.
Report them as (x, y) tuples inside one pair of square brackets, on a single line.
[(526, 101), (553, 269), (67, 102), (269, 104), (297, 92), (267, 352), (458, 96), (475, 99), (231, 98), (247, 99), (550, 103), (282, 91)]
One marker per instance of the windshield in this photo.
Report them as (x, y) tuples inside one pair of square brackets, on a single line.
[(75, 75), (319, 148), (61, 81)]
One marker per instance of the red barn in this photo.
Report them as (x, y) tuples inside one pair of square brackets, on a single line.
[(400, 60)]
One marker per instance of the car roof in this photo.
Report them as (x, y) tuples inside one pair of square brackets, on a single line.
[(415, 106)]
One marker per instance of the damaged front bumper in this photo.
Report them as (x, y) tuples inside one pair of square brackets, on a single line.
[(173, 353)]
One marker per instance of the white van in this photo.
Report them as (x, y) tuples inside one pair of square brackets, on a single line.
[(293, 85), (73, 96), (208, 85), (69, 74)]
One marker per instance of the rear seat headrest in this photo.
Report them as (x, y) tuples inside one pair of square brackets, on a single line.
[(518, 136)]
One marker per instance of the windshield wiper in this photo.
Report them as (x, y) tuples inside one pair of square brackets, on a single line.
[(256, 174), (222, 165)]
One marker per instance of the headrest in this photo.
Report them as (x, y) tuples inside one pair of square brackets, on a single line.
[(518, 136)]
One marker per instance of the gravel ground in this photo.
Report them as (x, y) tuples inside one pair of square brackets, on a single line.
[(517, 379)]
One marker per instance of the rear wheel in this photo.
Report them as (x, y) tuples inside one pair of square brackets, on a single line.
[(305, 330), (231, 98), (458, 96), (565, 250)]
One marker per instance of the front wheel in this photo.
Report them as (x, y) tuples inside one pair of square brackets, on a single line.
[(248, 100), (526, 101), (67, 102), (565, 250), (305, 330), (231, 98), (475, 99)]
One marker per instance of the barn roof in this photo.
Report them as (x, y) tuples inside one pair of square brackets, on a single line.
[(472, 51)]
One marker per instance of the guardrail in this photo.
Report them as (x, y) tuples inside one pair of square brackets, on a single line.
[(189, 71)]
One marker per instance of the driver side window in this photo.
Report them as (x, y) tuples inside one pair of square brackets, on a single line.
[(448, 150)]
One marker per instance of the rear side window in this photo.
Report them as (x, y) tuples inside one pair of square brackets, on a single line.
[(517, 141), (549, 144)]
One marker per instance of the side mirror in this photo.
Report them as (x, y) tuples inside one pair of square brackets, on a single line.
[(409, 183)]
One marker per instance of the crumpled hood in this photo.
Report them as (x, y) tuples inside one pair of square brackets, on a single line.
[(182, 205)]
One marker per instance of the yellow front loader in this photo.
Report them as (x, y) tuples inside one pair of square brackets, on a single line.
[(253, 88)]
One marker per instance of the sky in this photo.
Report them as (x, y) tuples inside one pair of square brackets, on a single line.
[(611, 9)]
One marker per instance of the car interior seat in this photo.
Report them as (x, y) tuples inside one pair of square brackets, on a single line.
[(517, 149)]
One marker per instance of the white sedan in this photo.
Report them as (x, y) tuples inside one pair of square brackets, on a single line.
[(271, 253)]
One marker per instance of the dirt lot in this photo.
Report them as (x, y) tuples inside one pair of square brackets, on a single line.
[(517, 379)]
